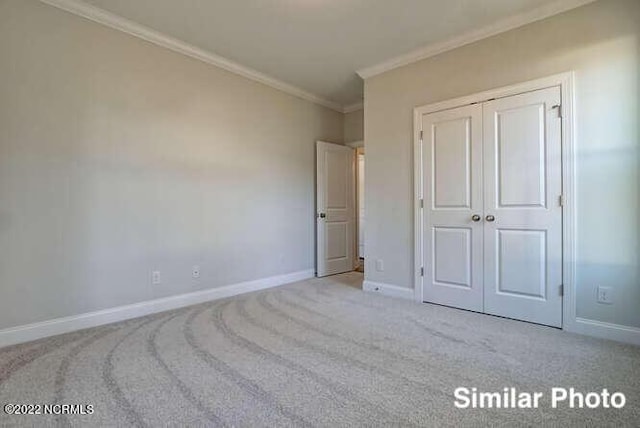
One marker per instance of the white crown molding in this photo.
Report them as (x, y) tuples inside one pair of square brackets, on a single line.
[(80, 8), (39, 330), (501, 26), (353, 107)]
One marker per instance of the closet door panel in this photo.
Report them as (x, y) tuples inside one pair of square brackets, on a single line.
[(523, 217), (452, 183)]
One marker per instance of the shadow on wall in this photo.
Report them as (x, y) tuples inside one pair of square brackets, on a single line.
[(608, 164), (638, 160)]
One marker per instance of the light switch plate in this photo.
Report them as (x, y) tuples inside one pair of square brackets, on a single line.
[(605, 295)]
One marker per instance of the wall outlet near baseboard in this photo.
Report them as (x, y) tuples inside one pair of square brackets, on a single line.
[(379, 265), (195, 272), (155, 277), (605, 295)]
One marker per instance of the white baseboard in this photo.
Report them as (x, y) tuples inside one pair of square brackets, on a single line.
[(605, 330), (388, 289), (29, 332), (587, 327)]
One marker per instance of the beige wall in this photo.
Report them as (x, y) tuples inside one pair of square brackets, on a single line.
[(354, 126), (118, 157), (601, 42)]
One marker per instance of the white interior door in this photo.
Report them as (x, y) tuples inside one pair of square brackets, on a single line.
[(336, 240), (452, 187), (492, 224), (361, 219), (523, 213)]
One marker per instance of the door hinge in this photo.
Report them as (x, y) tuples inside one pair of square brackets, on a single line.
[(421, 271), (561, 200), (421, 135), (561, 289), (558, 107), (421, 203)]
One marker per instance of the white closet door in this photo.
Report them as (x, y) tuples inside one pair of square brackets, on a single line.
[(452, 165), (523, 215)]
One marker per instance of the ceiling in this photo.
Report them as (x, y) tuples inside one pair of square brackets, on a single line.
[(318, 45)]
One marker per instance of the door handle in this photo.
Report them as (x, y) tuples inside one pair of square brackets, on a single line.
[(476, 217), (490, 218), (322, 215)]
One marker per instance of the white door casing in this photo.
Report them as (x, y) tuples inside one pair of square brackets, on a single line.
[(498, 162), (522, 191), (335, 216), (452, 160)]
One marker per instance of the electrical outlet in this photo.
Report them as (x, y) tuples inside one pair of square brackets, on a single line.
[(155, 277), (195, 272), (605, 295), (379, 265)]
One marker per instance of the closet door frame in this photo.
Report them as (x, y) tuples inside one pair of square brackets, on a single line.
[(566, 83)]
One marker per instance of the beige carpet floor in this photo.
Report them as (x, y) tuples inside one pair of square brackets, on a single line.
[(314, 353)]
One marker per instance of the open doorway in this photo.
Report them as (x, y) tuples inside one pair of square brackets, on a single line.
[(336, 215), (340, 218)]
